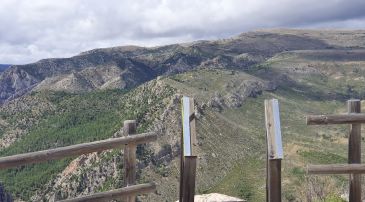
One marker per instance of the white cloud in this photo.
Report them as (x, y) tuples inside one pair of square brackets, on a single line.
[(32, 30)]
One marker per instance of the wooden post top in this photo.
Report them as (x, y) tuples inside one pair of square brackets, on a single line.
[(188, 122), (129, 121), (130, 127), (273, 129)]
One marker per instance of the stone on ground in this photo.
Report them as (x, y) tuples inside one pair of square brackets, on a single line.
[(215, 197)]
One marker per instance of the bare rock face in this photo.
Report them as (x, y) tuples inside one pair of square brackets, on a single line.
[(86, 80), (250, 88), (217, 102), (14, 82), (82, 73), (237, 93)]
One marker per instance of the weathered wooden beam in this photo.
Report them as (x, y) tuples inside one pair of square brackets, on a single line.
[(189, 131), (354, 151), (181, 183), (336, 169), (274, 151), (188, 152), (130, 165), (194, 140), (116, 194), (74, 150), (273, 129), (274, 181), (350, 118), (189, 178)]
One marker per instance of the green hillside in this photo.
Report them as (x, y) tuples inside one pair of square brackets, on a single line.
[(229, 79), (231, 139), (76, 118)]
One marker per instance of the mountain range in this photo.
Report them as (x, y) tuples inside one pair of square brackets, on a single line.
[(63, 101)]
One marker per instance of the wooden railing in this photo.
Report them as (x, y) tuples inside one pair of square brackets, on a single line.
[(336, 169), (354, 168), (130, 142), (129, 191)]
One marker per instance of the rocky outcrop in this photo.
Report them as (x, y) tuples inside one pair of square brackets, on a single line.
[(236, 93), (84, 175), (77, 74), (27, 111), (86, 80), (215, 197), (15, 82)]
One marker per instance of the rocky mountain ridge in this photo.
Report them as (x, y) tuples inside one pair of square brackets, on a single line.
[(129, 66)]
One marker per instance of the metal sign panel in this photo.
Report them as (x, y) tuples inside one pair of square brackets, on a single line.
[(273, 129), (186, 126)]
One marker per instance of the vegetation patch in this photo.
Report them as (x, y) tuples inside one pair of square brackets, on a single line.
[(78, 118), (322, 157)]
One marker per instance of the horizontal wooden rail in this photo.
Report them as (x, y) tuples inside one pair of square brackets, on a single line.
[(116, 194), (336, 169), (336, 119), (74, 150)]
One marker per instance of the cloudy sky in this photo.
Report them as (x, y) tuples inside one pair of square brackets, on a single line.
[(35, 29)]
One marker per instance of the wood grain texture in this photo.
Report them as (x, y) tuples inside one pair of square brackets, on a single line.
[(189, 178), (274, 180), (181, 183), (336, 169), (336, 119), (273, 129), (194, 141), (354, 151), (116, 194), (74, 150), (274, 151), (188, 159), (130, 129)]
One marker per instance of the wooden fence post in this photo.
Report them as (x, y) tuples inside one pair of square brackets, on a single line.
[(274, 151), (354, 152), (130, 128), (188, 152), (189, 178)]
